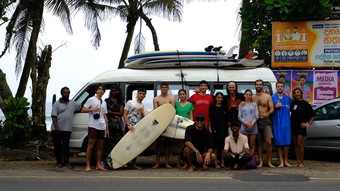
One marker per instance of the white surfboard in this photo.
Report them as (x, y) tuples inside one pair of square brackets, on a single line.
[(148, 129), (177, 127)]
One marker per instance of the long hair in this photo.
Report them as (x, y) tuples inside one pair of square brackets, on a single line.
[(297, 89), (218, 93)]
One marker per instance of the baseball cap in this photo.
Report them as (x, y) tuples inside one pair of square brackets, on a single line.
[(200, 117)]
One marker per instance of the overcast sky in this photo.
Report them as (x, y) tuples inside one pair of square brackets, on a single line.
[(77, 62)]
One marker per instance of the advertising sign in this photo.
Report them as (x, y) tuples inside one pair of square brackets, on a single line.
[(325, 86), (307, 44), (318, 86), (304, 80), (284, 76)]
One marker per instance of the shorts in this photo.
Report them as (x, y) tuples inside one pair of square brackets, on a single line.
[(298, 130), (265, 128), (194, 158), (93, 133)]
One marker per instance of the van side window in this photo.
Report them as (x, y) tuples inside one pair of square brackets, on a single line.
[(173, 90), (194, 89), (242, 86), (148, 100)]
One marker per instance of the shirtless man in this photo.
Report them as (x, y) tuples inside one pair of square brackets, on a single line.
[(163, 98), (266, 108)]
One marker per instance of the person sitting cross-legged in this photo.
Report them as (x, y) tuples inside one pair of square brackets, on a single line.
[(236, 148)]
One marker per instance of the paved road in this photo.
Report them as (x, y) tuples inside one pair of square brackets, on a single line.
[(41, 175)]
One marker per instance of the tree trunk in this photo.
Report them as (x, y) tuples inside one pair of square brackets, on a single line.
[(5, 91), (153, 31), (32, 48), (40, 76), (130, 30), (244, 45)]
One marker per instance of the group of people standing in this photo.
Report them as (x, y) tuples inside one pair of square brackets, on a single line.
[(224, 133)]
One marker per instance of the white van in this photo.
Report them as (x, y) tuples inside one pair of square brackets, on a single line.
[(130, 80)]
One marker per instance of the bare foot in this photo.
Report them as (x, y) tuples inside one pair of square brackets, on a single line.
[(287, 164), (260, 165), (280, 166), (100, 168), (301, 165), (270, 165), (236, 167), (217, 166), (205, 167), (87, 169), (168, 166), (156, 166), (137, 167), (191, 168)]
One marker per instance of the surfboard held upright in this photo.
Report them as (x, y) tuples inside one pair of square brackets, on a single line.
[(148, 129)]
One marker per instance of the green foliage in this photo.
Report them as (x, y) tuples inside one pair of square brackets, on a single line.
[(257, 16), (16, 130)]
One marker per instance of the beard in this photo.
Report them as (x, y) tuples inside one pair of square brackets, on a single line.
[(258, 90), (279, 91)]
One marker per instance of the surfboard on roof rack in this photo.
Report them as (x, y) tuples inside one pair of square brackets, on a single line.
[(169, 53), (185, 59), (143, 60)]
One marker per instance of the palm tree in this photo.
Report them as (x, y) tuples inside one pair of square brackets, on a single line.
[(129, 11), (171, 10), (23, 31)]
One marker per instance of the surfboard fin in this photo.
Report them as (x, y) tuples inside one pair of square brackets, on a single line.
[(109, 161)]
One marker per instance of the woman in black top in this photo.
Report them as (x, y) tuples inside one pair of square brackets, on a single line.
[(218, 125), (302, 116), (115, 110)]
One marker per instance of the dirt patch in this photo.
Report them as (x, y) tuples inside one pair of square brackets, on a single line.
[(26, 154)]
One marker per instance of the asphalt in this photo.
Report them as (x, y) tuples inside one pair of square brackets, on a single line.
[(314, 169)]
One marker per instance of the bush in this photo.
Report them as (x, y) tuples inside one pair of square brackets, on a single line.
[(16, 128)]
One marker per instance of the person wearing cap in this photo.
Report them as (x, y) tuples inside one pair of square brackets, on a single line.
[(198, 145), (236, 147)]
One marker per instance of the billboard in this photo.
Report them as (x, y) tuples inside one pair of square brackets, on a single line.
[(318, 86), (306, 44)]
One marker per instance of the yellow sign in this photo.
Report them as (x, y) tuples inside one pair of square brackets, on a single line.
[(308, 44)]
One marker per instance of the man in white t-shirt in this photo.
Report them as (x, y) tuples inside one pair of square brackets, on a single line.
[(134, 111), (97, 126)]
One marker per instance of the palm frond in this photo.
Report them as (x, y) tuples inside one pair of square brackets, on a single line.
[(169, 9), (60, 8), (94, 13), (23, 29), (139, 41)]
